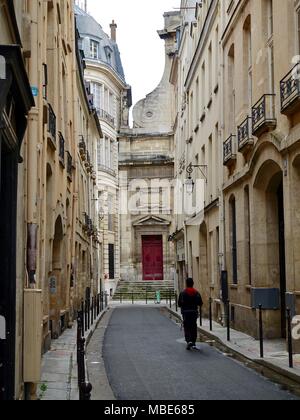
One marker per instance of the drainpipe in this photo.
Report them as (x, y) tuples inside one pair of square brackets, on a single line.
[(32, 164)]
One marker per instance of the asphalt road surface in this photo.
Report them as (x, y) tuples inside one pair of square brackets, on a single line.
[(146, 359)]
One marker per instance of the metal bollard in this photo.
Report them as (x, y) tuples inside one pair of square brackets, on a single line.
[(146, 297), (86, 316), (228, 321), (201, 317), (261, 332), (210, 315), (82, 318), (106, 299), (290, 338), (132, 297), (170, 299), (176, 301), (86, 391)]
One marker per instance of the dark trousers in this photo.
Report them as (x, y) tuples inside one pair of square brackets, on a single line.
[(190, 326)]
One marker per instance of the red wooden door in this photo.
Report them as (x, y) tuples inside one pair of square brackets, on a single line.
[(153, 266)]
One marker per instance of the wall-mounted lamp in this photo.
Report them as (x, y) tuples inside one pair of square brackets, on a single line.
[(189, 183)]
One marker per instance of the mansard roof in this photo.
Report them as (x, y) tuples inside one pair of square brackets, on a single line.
[(109, 52)]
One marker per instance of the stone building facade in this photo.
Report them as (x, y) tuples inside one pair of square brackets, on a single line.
[(236, 78), (260, 47), (105, 77), (196, 77), (146, 165), (16, 100), (54, 242)]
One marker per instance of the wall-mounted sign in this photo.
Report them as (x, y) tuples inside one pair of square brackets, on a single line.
[(53, 285), (35, 91), (2, 328)]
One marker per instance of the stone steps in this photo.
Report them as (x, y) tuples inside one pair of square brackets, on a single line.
[(142, 290)]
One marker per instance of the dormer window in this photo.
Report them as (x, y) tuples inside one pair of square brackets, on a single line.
[(94, 49), (108, 52)]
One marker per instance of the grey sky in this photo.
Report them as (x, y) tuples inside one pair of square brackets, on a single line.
[(141, 48)]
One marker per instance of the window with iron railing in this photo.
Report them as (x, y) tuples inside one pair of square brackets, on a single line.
[(51, 122), (61, 151)]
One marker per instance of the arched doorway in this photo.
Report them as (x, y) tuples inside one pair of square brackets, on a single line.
[(55, 280), (270, 227)]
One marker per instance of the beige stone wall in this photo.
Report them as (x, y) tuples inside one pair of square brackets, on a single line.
[(269, 160), (53, 196)]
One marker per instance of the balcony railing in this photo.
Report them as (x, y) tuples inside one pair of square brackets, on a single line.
[(69, 165), (230, 150), (61, 151), (263, 115), (51, 122), (245, 138), (290, 91), (106, 117)]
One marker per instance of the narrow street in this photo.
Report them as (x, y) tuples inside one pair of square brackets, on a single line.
[(146, 359)]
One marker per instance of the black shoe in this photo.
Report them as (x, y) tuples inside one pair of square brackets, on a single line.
[(189, 346)]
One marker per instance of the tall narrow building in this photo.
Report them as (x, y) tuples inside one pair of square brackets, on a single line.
[(111, 97)]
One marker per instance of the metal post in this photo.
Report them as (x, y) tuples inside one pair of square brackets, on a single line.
[(82, 318), (146, 296), (290, 338), (261, 332), (132, 297), (89, 313), (170, 294), (92, 311), (228, 321), (176, 301), (201, 318), (86, 315), (210, 315), (86, 391), (106, 299)]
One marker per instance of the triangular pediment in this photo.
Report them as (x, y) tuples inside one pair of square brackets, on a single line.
[(152, 220)]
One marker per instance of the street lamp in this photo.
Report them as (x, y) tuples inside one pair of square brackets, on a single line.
[(189, 183)]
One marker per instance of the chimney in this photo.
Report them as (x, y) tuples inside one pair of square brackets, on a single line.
[(113, 31)]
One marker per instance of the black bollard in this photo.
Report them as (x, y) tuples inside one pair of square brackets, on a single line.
[(228, 321), (176, 301), (290, 338), (210, 315), (86, 391), (170, 294), (261, 332), (82, 317), (201, 317), (86, 316)]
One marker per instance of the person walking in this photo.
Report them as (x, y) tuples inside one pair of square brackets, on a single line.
[(189, 302)]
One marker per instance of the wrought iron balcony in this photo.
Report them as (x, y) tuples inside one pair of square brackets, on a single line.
[(263, 115), (69, 165), (245, 138), (290, 91), (61, 151), (51, 122), (103, 115), (230, 151)]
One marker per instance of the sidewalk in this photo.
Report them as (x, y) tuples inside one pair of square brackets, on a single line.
[(59, 380), (246, 348)]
